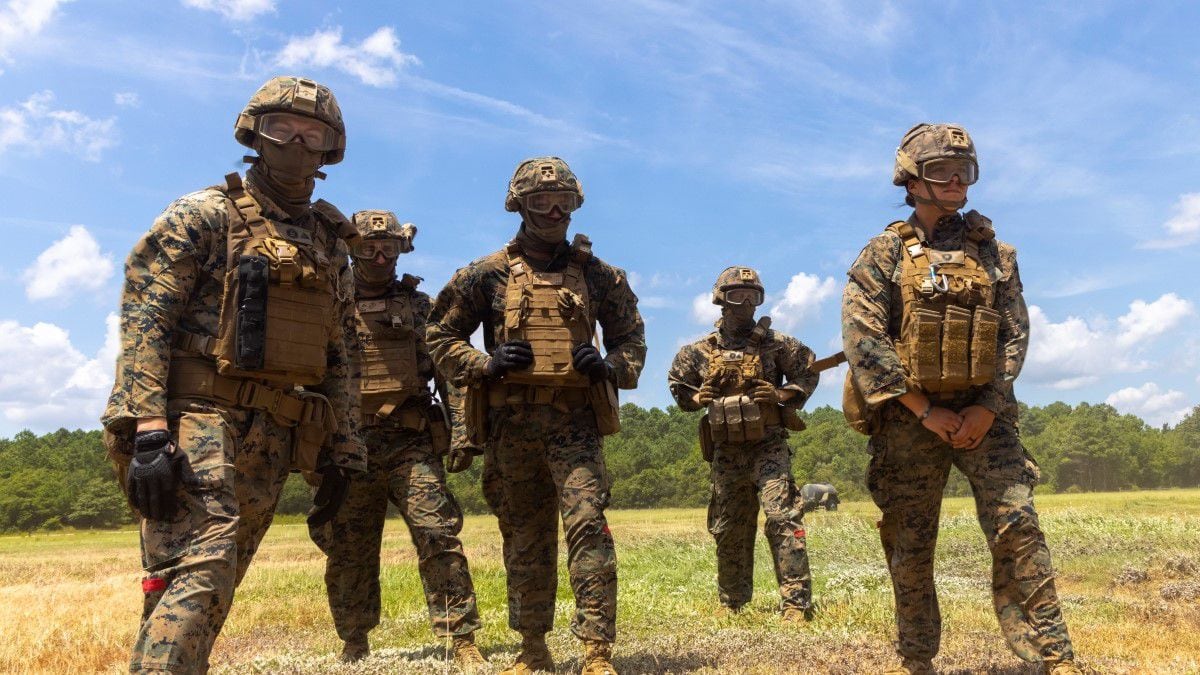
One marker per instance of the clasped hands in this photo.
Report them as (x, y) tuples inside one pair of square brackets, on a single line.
[(963, 431), (518, 354), (760, 391)]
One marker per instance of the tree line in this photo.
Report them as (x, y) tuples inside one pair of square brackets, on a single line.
[(63, 479)]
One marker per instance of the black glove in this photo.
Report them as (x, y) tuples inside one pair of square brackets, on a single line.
[(459, 459), (335, 484), (511, 355), (155, 474), (586, 359)]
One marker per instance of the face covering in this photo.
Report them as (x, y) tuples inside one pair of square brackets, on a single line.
[(289, 169), (545, 230), (367, 273), (737, 320)]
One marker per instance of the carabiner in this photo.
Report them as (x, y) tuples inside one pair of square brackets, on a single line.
[(944, 286)]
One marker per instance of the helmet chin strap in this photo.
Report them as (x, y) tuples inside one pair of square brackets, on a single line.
[(948, 207)]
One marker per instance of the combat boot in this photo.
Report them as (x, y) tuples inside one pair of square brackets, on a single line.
[(356, 649), (912, 667), (466, 654), (1062, 668), (534, 656), (597, 658), (797, 614)]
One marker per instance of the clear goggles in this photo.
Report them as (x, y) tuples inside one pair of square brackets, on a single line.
[(367, 249), (743, 295), (542, 203), (282, 127), (941, 171)]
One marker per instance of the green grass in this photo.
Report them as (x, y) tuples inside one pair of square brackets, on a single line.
[(1128, 573)]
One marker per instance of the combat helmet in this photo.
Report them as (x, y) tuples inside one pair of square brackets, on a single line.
[(295, 95), (737, 277), (373, 225), (541, 174), (927, 141)]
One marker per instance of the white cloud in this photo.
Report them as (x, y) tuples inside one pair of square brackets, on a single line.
[(127, 99), (237, 10), (1075, 353), (703, 309), (46, 383), (71, 264), (1147, 320), (1150, 403), (36, 127), (1183, 227), (802, 299), (375, 61), (21, 20)]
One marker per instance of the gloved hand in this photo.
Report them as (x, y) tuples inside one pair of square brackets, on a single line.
[(763, 392), (155, 474), (335, 484), (459, 459), (511, 355), (586, 359), (708, 393)]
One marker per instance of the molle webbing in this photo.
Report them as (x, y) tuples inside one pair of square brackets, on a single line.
[(191, 377), (388, 336), (948, 331), (277, 313), (550, 310)]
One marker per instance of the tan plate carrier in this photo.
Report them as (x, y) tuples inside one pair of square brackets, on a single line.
[(299, 324)]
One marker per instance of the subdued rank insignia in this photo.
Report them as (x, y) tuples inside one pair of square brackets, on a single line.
[(548, 173), (746, 274), (297, 234), (368, 306), (958, 139)]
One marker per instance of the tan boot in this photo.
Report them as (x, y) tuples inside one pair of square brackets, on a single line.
[(466, 654), (911, 667), (355, 650), (797, 615), (1063, 668), (534, 656), (597, 658)]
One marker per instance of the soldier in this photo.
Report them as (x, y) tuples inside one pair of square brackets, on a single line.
[(542, 397), (936, 329), (237, 296), (738, 371), (407, 436)]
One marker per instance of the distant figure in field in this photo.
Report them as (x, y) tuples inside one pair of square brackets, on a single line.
[(819, 495), (935, 330), (752, 380)]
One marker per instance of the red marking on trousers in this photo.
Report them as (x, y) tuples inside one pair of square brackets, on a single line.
[(799, 534), (153, 584)]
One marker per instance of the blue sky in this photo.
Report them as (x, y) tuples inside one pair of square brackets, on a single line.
[(705, 133)]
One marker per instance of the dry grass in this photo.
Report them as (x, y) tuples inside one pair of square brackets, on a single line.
[(1129, 576)]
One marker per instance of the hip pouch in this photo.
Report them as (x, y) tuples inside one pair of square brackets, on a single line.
[(602, 396), (313, 432), (439, 429), (861, 417)]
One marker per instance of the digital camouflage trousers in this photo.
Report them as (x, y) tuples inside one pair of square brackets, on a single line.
[(542, 464), (745, 476), (193, 562), (403, 470), (907, 474)]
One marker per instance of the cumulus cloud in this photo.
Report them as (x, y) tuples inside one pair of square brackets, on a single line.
[(703, 309), (1150, 403), (801, 299), (1075, 352), (1183, 227), (375, 61), (36, 126), (127, 99), (1148, 319), (236, 10), (20, 20), (47, 383), (69, 265)]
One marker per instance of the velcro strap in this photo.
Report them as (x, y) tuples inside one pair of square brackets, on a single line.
[(278, 402), (198, 378)]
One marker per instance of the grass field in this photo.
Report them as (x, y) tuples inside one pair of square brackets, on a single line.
[(1128, 574)]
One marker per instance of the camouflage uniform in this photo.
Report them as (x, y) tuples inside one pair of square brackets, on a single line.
[(239, 456), (539, 457), (910, 464), (173, 281), (745, 474), (405, 469)]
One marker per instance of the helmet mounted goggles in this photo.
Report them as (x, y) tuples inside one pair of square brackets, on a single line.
[(542, 203), (285, 127)]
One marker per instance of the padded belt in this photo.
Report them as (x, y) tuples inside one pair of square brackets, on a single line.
[(404, 417), (565, 399), (198, 378)]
